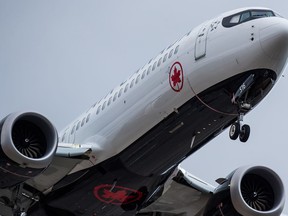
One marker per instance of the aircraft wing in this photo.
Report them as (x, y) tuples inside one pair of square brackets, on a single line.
[(184, 194)]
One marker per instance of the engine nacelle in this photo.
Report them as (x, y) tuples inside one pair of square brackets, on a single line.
[(28, 142), (248, 191)]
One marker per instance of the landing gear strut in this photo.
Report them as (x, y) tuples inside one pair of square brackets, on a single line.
[(237, 129)]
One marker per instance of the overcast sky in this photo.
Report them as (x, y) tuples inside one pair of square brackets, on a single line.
[(58, 57)]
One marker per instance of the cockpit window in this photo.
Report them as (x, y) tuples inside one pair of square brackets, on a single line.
[(245, 16), (259, 14), (235, 19)]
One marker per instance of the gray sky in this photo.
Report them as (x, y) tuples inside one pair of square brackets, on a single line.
[(58, 57)]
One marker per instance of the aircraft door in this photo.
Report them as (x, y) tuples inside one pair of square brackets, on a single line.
[(201, 42)]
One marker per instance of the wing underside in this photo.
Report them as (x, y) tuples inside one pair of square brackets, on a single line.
[(183, 195)]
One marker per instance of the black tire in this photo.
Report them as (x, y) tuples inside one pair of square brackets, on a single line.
[(245, 133), (234, 131)]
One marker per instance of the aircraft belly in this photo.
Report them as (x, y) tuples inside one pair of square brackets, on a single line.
[(180, 134)]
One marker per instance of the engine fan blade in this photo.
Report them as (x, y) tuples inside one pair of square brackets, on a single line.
[(29, 139), (257, 192)]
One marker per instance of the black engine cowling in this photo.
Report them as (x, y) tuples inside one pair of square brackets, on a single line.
[(248, 191), (28, 142)]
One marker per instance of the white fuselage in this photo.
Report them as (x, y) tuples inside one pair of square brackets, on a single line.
[(208, 54)]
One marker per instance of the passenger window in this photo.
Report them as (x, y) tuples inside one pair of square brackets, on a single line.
[(149, 70), (143, 74), (115, 96), (120, 92), (104, 105), (154, 66), (78, 125), (165, 57), (138, 78), (98, 110), (83, 121), (109, 101), (73, 130), (88, 118), (159, 62), (132, 83), (126, 88), (170, 54), (176, 50)]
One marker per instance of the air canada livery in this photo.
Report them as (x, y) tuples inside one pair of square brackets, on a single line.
[(121, 157)]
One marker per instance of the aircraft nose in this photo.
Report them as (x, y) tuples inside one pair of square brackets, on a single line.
[(274, 39)]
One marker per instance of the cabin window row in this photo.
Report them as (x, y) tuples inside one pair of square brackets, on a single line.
[(119, 93), (136, 80)]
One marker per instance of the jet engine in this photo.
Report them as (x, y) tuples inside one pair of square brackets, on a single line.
[(248, 191), (28, 142)]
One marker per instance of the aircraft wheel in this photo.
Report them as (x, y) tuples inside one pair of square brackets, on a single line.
[(245, 133), (234, 131)]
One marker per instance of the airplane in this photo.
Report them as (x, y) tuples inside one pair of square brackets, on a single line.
[(122, 155)]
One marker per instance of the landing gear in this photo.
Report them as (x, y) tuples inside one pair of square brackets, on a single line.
[(240, 99), (236, 130), (245, 133)]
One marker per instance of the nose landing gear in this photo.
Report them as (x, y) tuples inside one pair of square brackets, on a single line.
[(234, 131), (237, 129)]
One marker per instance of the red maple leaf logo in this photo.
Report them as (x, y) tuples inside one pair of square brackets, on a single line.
[(176, 77), (119, 195)]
